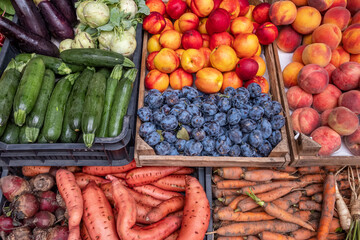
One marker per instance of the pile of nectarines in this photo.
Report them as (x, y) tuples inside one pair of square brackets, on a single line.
[(324, 75), (217, 41)]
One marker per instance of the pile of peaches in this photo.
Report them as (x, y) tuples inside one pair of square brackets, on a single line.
[(324, 76), (217, 41)]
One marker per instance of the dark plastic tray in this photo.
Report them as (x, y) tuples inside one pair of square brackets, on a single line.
[(105, 151)]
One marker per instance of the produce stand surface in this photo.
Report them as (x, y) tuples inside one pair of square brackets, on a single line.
[(304, 150), (145, 155), (105, 151)]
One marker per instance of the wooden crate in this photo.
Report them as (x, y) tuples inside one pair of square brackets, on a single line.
[(304, 150), (145, 155)]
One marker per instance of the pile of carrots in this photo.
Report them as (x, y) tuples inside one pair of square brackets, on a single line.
[(275, 204), (128, 203)]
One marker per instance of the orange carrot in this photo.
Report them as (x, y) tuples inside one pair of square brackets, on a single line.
[(228, 214), (266, 175), (219, 193), (120, 175), (234, 184), (288, 200), (84, 234), (254, 228), (146, 175), (234, 203), (265, 187), (230, 172), (310, 170), (274, 236), (226, 200), (141, 211), (196, 211), (230, 238), (173, 236), (336, 236), (98, 215), (311, 178), (32, 171), (287, 169), (304, 215), (103, 171), (163, 209), (156, 192), (302, 234), (216, 178), (317, 197), (252, 238), (248, 204), (328, 206), (273, 210), (218, 203), (313, 189), (144, 199), (184, 171), (309, 206), (334, 225), (343, 185), (83, 179), (171, 183), (71, 193)]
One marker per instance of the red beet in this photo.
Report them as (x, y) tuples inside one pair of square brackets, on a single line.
[(6, 224), (44, 219), (42, 182), (29, 222), (47, 201), (13, 186), (58, 233), (218, 21), (25, 206)]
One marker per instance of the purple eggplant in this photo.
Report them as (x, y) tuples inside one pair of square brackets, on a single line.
[(27, 41), (66, 7), (30, 17), (59, 27)]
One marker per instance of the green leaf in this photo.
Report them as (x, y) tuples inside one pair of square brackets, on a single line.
[(111, 1), (142, 8), (6, 6), (338, 230), (183, 134), (115, 16), (108, 27)]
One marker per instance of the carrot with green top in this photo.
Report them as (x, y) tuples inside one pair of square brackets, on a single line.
[(274, 236), (273, 210), (234, 184), (267, 175), (230, 172), (288, 200), (226, 200), (216, 178), (228, 214), (265, 187), (252, 238)]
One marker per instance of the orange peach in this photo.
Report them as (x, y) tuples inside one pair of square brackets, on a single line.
[(317, 53), (258, 52), (176, 26), (218, 39), (188, 21), (324, 117), (202, 8), (209, 80), (343, 121), (307, 20), (313, 79), (154, 23), (320, 5), (305, 120), (330, 69), (223, 58), (351, 100), (156, 6), (300, 3), (353, 6), (192, 60), (232, 6), (241, 25), (329, 140), (355, 58), (356, 18), (262, 65), (157, 80), (166, 60), (298, 98), (179, 52), (283, 13), (347, 76), (153, 44), (206, 40), (352, 142), (244, 7), (261, 13), (328, 33), (344, 55), (170, 39), (169, 25), (246, 45), (297, 56), (191, 39), (288, 39), (231, 79), (328, 99), (206, 52), (267, 33), (150, 61), (339, 16), (202, 26), (307, 39), (263, 82), (339, 56), (291, 73), (180, 78), (175, 8), (249, 13), (339, 3), (351, 39)]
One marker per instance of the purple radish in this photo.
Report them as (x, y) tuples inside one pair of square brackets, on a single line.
[(47, 201), (13, 186), (25, 206), (6, 224), (44, 219)]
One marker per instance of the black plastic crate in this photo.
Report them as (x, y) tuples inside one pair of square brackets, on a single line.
[(105, 151)]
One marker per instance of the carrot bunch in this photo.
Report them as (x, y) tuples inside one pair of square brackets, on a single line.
[(285, 203)]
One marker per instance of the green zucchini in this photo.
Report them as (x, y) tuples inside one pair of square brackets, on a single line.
[(28, 90), (121, 102), (35, 119), (95, 58), (93, 107), (111, 84), (68, 135), (24, 57), (77, 99), (2, 129), (22, 135), (9, 82), (58, 66), (56, 108), (11, 134), (41, 138)]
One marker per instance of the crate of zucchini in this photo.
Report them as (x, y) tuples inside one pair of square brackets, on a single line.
[(39, 117)]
